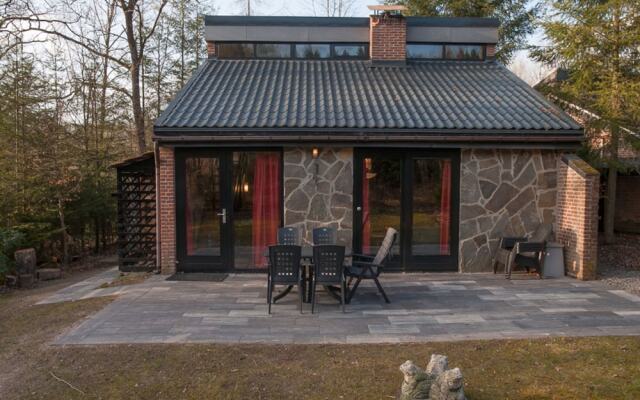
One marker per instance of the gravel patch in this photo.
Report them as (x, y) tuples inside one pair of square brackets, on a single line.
[(619, 263)]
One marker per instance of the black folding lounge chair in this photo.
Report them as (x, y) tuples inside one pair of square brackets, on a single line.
[(530, 256), (328, 269), (284, 269), (323, 236), (368, 267)]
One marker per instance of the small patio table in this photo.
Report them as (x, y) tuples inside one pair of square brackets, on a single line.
[(307, 270)]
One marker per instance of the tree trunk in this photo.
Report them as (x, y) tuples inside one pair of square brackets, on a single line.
[(63, 228), (138, 115)]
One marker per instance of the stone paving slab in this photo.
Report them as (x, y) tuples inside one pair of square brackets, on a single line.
[(424, 307)]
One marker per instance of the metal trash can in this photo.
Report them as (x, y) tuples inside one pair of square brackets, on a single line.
[(554, 260)]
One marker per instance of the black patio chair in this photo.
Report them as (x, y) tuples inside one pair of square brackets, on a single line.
[(506, 252), (289, 236), (322, 236), (328, 269), (529, 255), (369, 267), (284, 269)]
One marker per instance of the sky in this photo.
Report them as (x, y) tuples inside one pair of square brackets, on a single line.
[(522, 65)]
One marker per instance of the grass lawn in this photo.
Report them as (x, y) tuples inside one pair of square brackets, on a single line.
[(580, 368)]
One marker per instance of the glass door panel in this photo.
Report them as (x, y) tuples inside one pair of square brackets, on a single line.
[(380, 199), (431, 201), (256, 206), (202, 205)]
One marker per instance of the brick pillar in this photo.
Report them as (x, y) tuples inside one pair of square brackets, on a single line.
[(167, 210), (577, 216), (211, 49), (388, 37)]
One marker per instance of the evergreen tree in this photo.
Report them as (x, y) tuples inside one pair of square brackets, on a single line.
[(598, 42), (516, 18)]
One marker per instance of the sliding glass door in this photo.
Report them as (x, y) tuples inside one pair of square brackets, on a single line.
[(228, 208), (414, 192)]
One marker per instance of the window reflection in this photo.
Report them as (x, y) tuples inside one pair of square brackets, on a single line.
[(463, 52), (431, 207), (313, 51), (424, 51), (350, 51), (381, 198), (273, 50), (202, 202), (235, 50)]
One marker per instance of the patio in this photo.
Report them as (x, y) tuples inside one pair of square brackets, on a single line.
[(425, 307)]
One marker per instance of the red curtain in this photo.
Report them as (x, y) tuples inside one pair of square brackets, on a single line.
[(366, 223), (445, 207), (266, 204)]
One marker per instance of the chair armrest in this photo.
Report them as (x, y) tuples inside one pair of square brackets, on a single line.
[(508, 243), (356, 256), (366, 264), (529, 247)]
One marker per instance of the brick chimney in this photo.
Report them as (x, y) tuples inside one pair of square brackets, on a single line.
[(387, 34)]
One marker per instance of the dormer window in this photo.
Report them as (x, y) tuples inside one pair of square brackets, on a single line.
[(432, 51), (301, 51)]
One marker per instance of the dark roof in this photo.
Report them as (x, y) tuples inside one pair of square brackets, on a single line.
[(354, 95), (133, 160), (230, 20)]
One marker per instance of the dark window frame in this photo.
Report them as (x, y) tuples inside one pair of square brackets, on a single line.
[(483, 47)]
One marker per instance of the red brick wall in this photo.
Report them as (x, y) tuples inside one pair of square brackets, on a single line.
[(167, 210), (628, 204), (387, 38), (211, 49), (577, 216)]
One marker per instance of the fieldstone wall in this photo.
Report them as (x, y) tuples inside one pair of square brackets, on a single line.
[(319, 192), (503, 193)]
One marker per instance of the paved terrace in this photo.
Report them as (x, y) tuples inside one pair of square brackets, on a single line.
[(425, 307)]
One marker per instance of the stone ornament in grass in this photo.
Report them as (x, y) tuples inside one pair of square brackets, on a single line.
[(437, 382)]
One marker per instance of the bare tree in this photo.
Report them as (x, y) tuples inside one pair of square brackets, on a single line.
[(138, 29), (333, 8)]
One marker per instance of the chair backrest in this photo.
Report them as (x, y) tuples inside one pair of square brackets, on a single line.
[(284, 263), (542, 233), (288, 236), (323, 236), (385, 248), (328, 263)]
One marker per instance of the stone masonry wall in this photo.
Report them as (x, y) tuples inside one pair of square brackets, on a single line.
[(502, 193), (167, 211), (577, 216), (319, 192)]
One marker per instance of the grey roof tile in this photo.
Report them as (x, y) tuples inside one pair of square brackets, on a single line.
[(336, 94)]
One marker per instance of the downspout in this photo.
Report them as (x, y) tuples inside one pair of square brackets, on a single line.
[(156, 156)]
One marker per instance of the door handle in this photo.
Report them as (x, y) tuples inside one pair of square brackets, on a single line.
[(223, 214), (358, 208)]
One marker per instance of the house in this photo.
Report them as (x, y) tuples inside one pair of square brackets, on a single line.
[(361, 124), (627, 215)]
